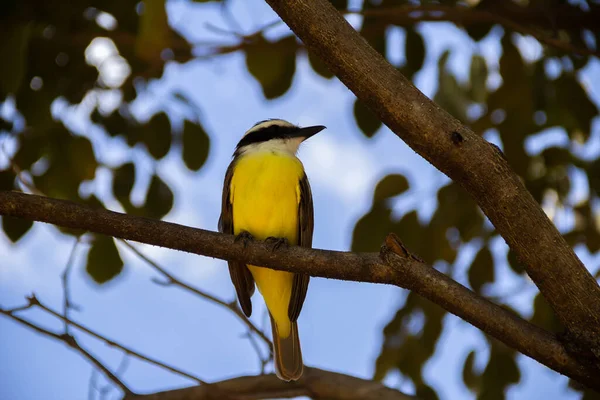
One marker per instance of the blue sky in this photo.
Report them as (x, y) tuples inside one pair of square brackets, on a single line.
[(341, 322)]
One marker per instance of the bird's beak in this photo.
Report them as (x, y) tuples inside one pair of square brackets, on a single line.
[(309, 131)]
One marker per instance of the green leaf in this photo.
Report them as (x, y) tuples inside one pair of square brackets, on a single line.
[(593, 173), (153, 33), (157, 135), (415, 52), (319, 66), (196, 145), (366, 120), (390, 186), (123, 181), (543, 315), (272, 64), (574, 107), (82, 158), (159, 199), (7, 180), (514, 263), (15, 228), (370, 230), (450, 95), (14, 43), (478, 78), (482, 269), (501, 371), (478, 31), (470, 377), (340, 4), (104, 262)]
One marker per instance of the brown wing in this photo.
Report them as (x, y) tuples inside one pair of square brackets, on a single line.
[(240, 274), (305, 232)]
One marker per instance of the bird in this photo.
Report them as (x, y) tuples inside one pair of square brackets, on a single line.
[(267, 196)]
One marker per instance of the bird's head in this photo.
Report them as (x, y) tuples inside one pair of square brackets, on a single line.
[(275, 135)]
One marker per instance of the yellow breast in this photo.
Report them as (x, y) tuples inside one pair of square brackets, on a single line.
[(265, 193)]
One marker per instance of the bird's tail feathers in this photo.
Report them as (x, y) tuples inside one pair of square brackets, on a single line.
[(287, 353)]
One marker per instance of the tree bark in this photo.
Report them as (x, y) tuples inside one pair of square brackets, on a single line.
[(315, 383), (465, 157), (395, 265)]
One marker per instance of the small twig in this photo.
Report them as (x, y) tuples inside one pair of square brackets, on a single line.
[(229, 17), (72, 342), (27, 306), (119, 346), (19, 173), (263, 361), (93, 384), (67, 304), (171, 280)]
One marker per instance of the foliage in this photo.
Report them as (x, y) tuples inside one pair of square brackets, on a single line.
[(48, 66)]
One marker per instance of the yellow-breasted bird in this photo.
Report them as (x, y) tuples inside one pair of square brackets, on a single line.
[(266, 195)]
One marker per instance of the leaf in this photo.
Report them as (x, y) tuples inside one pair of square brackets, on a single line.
[(593, 173), (456, 208), (157, 135), (478, 78), (123, 181), (415, 52), (390, 186), (7, 180), (339, 4), (501, 371), (371, 229), (543, 315), (272, 64), (368, 122), (407, 347), (574, 107), (450, 94), (470, 377), (15, 228), (196, 145), (104, 262), (514, 263), (482, 269), (159, 199), (82, 158), (14, 43), (154, 31), (319, 66)]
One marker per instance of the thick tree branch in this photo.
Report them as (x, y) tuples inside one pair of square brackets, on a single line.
[(465, 157), (315, 383), (395, 266)]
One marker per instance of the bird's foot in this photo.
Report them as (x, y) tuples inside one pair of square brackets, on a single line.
[(276, 242), (245, 237)]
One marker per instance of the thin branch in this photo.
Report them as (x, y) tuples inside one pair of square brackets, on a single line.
[(263, 361), (72, 342), (67, 304), (464, 156), (315, 383), (117, 345), (394, 266), (172, 280), (19, 172), (408, 15)]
